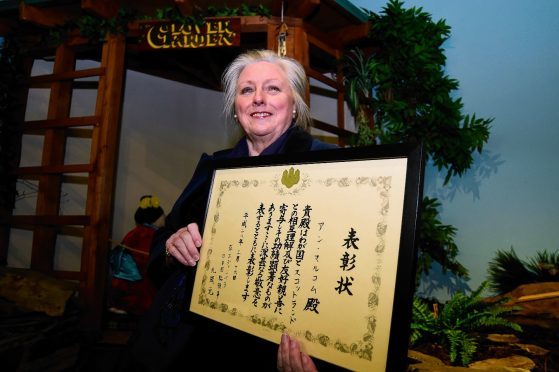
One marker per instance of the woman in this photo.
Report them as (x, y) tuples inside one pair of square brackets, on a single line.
[(263, 93)]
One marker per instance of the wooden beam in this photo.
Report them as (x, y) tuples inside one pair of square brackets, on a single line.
[(327, 42), (185, 7), (69, 275), (102, 8), (318, 124), (301, 8), (56, 169), (297, 44), (54, 149), (254, 24), (349, 34), (48, 16), (323, 92), (338, 39), (74, 179), (62, 123), (66, 75), (324, 46), (66, 178), (50, 220), (324, 79), (99, 204)]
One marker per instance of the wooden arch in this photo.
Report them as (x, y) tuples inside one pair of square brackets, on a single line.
[(318, 33)]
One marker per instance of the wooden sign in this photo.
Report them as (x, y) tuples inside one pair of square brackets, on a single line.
[(214, 32)]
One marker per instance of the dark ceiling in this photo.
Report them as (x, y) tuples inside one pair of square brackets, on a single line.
[(330, 19)]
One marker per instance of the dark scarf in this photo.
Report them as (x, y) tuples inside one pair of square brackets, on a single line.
[(294, 139)]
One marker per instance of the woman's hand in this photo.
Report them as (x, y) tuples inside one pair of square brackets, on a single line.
[(184, 245), (291, 358)]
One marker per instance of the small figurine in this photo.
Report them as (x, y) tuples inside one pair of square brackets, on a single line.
[(131, 291)]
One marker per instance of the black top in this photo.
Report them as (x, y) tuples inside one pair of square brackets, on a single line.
[(170, 337)]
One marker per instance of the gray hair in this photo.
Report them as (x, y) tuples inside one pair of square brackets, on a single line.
[(295, 75)]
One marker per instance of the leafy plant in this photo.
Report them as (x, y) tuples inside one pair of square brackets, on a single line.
[(359, 72), (507, 271), (545, 266), (436, 242), (457, 325), (398, 92), (96, 28), (92, 27), (244, 10)]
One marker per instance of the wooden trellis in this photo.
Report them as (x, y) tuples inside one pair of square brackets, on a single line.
[(314, 27)]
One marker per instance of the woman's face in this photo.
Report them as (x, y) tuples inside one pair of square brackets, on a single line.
[(264, 102)]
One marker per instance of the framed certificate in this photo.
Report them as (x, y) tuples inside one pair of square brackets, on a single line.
[(319, 245)]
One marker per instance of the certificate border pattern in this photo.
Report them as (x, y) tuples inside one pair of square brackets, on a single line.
[(362, 348)]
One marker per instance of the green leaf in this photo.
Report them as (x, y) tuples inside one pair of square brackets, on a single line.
[(459, 322), (401, 83)]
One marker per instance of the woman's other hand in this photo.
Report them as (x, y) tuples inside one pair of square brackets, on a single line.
[(291, 358), (184, 245)]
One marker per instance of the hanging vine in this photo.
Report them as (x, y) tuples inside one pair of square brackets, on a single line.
[(95, 28)]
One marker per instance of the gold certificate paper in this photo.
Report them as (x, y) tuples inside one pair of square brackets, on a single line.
[(306, 249)]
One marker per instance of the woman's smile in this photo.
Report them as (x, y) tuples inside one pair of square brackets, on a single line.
[(264, 104)]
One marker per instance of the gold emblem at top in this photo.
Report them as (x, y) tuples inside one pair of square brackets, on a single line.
[(290, 178)]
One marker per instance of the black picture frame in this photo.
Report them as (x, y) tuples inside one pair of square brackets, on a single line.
[(398, 342)]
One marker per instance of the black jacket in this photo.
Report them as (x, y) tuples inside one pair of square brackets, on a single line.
[(170, 337)]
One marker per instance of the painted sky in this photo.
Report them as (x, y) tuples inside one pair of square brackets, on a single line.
[(504, 54)]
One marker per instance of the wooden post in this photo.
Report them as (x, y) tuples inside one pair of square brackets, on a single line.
[(104, 151), (54, 150), (297, 44)]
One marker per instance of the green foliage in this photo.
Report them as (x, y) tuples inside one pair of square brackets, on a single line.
[(436, 242), (507, 271), (198, 16), (174, 15), (423, 320), (398, 92), (96, 28), (243, 10), (93, 27), (359, 85), (404, 84), (545, 266), (458, 323)]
